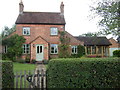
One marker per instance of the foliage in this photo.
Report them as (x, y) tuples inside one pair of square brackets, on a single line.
[(45, 61), (14, 46), (116, 53), (64, 51), (64, 46), (80, 52), (7, 74), (4, 57), (27, 59), (7, 31), (83, 73), (33, 61), (110, 13), (89, 34)]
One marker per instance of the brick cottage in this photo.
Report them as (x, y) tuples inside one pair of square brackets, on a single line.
[(41, 31)]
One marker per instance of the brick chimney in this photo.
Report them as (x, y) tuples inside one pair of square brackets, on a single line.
[(21, 7), (62, 8)]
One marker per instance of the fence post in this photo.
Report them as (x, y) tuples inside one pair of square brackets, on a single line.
[(25, 79), (20, 79), (16, 79)]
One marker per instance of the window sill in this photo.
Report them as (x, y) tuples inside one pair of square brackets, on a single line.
[(53, 35), (25, 53), (54, 53), (26, 35), (74, 53)]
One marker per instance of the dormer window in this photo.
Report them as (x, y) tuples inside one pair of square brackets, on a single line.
[(54, 31), (26, 30)]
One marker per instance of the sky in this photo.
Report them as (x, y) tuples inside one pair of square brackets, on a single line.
[(76, 13)]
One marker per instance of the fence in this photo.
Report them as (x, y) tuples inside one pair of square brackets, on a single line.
[(30, 79)]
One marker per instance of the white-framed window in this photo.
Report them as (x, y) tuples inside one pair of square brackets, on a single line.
[(26, 30), (26, 48), (74, 49), (54, 48), (53, 31)]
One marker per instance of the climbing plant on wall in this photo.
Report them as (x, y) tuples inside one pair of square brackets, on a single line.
[(64, 51)]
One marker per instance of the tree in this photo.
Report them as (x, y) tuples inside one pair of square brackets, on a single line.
[(89, 34), (14, 46), (109, 10), (7, 31)]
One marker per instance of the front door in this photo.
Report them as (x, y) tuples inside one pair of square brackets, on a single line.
[(39, 52)]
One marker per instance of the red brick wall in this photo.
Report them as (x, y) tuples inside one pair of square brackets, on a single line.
[(40, 30), (44, 32), (114, 43)]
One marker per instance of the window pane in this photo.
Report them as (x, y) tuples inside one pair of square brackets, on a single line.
[(40, 49), (26, 48), (27, 51), (54, 48), (74, 49), (37, 49), (54, 31), (26, 31)]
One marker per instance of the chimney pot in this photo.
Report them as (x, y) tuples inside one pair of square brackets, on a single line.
[(21, 7), (62, 8)]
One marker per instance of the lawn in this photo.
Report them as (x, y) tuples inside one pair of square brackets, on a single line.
[(21, 67)]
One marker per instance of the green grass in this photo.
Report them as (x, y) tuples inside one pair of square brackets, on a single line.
[(21, 67)]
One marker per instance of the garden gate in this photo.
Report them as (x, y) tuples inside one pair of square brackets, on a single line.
[(30, 79)]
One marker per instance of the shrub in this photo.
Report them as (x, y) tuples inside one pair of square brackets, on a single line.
[(4, 57), (83, 73), (33, 61), (116, 53), (14, 46), (20, 61), (80, 52), (27, 59), (45, 61), (64, 51), (7, 74)]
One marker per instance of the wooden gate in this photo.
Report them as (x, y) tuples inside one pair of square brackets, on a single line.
[(30, 79)]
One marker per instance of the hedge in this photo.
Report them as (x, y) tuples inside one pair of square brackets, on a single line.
[(7, 74), (84, 73), (116, 53)]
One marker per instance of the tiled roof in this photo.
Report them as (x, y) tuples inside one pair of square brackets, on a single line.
[(94, 41), (40, 18)]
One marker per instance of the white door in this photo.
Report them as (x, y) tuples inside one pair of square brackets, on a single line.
[(39, 52)]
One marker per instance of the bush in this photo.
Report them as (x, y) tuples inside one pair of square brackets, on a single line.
[(80, 52), (27, 59), (116, 53), (4, 57), (7, 74), (45, 61), (20, 61), (83, 73), (33, 61)]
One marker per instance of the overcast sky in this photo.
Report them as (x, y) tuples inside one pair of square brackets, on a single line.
[(76, 13)]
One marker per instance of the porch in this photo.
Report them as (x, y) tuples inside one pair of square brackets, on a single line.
[(97, 51)]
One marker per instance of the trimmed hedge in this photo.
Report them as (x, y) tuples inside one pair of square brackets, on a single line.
[(7, 74), (84, 73)]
